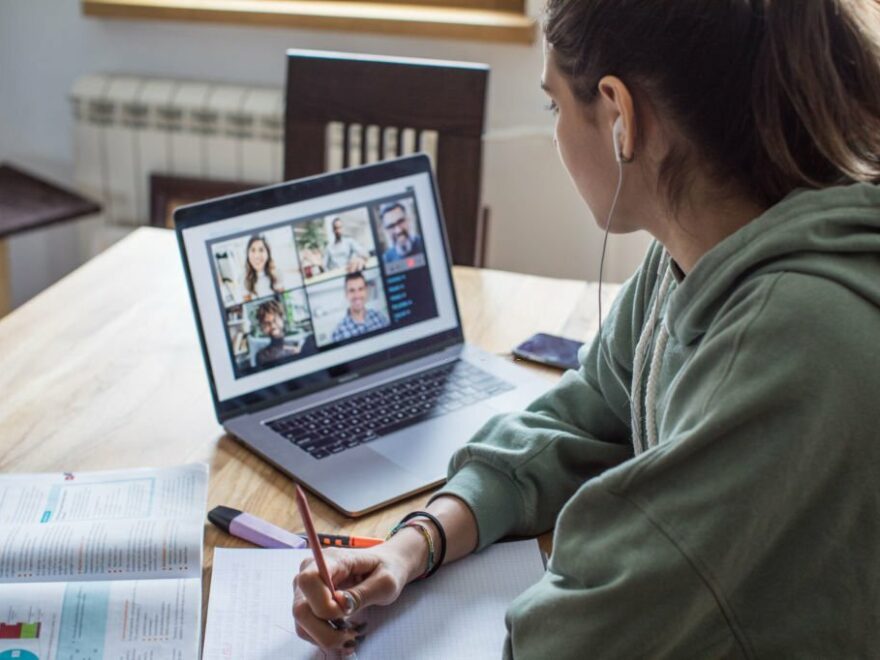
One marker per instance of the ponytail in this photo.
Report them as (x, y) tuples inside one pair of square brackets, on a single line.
[(816, 94), (772, 95)]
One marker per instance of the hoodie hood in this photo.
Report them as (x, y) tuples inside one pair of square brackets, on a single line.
[(832, 233)]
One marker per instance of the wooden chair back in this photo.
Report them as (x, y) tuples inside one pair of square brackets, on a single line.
[(393, 95)]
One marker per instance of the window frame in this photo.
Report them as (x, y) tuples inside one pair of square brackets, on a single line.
[(480, 20)]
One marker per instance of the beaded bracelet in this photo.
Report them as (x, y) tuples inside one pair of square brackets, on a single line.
[(426, 533), (423, 528), (440, 531)]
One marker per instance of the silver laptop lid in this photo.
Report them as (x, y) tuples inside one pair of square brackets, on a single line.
[(300, 286)]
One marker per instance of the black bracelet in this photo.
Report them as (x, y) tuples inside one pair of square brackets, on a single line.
[(440, 531)]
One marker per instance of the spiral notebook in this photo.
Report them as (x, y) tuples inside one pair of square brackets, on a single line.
[(458, 613)]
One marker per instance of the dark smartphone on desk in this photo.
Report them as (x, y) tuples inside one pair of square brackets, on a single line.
[(550, 350)]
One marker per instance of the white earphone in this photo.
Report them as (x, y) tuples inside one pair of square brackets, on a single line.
[(616, 135)]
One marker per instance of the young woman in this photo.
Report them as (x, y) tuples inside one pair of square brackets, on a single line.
[(712, 469), (260, 278)]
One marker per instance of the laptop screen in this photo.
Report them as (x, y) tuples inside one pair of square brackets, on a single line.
[(310, 284)]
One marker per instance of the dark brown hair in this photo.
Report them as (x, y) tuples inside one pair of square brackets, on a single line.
[(772, 95), (270, 307), (356, 275)]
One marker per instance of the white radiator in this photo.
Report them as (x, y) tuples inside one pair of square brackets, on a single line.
[(129, 127)]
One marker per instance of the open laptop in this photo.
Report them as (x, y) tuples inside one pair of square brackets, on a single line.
[(331, 333)]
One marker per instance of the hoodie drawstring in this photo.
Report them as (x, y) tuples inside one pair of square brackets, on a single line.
[(646, 339)]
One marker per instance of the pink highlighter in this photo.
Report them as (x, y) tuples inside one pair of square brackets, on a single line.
[(253, 529)]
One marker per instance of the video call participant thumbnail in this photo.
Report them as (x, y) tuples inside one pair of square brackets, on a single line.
[(260, 275), (343, 251), (272, 320), (397, 224), (359, 319)]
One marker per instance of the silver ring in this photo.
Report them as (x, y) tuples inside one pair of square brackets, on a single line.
[(353, 601)]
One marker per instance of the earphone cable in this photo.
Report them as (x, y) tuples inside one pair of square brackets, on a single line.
[(605, 239), (601, 348)]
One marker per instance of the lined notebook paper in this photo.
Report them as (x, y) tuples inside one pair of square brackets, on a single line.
[(458, 613)]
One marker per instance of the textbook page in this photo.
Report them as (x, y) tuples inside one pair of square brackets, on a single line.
[(458, 613), (106, 620), (102, 565), (114, 525)]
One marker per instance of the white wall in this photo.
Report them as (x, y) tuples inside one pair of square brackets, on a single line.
[(46, 44)]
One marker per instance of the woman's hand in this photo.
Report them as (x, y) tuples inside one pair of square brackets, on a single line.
[(374, 576)]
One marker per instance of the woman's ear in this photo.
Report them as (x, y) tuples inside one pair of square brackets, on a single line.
[(618, 106)]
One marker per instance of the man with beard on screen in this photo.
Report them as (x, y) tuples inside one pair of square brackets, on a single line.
[(396, 222)]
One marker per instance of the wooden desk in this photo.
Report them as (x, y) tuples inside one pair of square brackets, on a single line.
[(103, 371)]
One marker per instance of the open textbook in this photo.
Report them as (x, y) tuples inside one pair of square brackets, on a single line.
[(457, 613), (102, 565)]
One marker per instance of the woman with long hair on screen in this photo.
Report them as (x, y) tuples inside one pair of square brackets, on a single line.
[(260, 276), (711, 471)]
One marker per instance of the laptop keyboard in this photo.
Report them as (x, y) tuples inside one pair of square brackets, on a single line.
[(366, 416)]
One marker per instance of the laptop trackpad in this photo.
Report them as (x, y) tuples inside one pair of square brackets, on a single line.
[(426, 448)]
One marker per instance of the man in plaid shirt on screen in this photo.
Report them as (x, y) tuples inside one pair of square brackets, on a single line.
[(358, 319)]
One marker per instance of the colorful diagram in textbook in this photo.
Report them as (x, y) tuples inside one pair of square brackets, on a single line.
[(23, 631)]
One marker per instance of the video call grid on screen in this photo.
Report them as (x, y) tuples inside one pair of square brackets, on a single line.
[(313, 343), (311, 272)]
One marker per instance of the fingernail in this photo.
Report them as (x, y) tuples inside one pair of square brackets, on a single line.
[(349, 602), (359, 628), (350, 644), (340, 624)]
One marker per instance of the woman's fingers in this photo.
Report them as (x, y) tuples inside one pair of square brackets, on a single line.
[(362, 579), (343, 565), (319, 631), (316, 596), (362, 574), (378, 588), (347, 568)]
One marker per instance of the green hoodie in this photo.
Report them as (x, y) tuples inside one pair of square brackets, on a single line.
[(734, 509)]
